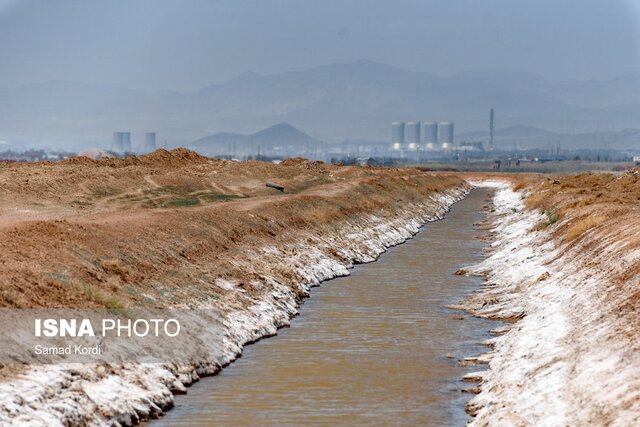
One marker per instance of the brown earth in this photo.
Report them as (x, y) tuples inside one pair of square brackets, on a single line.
[(591, 211), (159, 229), (582, 262), (162, 229)]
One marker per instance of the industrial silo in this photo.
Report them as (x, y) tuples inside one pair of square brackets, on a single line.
[(431, 133), (149, 142), (445, 134), (126, 141), (413, 134), (397, 133), (117, 144)]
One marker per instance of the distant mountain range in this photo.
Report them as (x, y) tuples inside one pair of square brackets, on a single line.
[(272, 140), (333, 102), (529, 137)]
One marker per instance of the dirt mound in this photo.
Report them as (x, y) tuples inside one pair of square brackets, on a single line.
[(304, 164), (160, 158), (166, 218), (79, 160), (178, 156), (294, 161), (104, 162)]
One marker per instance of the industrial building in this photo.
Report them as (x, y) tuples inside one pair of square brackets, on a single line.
[(121, 142), (430, 135), (149, 142), (397, 134), (445, 135), (412, 130)]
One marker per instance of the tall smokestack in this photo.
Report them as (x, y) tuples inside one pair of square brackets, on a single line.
[(491, 118)]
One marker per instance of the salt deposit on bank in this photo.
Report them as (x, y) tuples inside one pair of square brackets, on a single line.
[(123, 395), (569, 360)]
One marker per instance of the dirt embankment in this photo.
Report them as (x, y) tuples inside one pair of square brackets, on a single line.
[(564, 267), (177, 229), (157, 229)]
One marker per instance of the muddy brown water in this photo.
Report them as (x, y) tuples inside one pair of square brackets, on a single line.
[(379, 347)]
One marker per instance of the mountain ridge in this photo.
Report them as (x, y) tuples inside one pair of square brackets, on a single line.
[(522, 136), (269, 140), (339, 101)]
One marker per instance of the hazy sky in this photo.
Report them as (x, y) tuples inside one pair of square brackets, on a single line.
[(184, 45)]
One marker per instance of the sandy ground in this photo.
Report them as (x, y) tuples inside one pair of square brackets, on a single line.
[(129, 227), (176, 229)]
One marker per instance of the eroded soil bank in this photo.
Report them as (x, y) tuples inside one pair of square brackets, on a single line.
[(563, 268), (177, 229)]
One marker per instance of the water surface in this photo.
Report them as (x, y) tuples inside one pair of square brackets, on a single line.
[(377, 347)]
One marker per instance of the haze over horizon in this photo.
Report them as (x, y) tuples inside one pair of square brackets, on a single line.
[(72, 72), (187, 45)]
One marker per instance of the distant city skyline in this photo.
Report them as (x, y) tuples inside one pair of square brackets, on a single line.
[(187, 45)]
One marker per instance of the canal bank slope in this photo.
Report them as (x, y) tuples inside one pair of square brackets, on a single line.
[(563, 269), (174, 229)]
